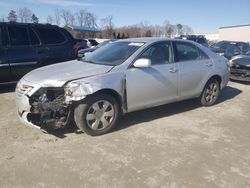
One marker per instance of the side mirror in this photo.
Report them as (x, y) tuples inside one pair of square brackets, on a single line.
[(142, 63)]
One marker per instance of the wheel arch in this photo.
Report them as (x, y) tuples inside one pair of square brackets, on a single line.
[(216, 77), (114, 94)]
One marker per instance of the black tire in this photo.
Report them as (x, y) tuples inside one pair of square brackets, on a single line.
[(210, 93), (83, 109)]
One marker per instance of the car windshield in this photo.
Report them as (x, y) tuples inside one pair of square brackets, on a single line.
[(113, 53), (198, 40), (219, 45)]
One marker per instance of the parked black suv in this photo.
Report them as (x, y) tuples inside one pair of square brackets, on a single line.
[(24, 47), (201, 39), (229, 49)]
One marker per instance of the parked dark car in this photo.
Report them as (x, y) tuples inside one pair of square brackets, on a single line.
[(93, 42), (85, 43), (240, 68), (229, 49), (24, 47), (81, 44), (83, 52), (201, 39)]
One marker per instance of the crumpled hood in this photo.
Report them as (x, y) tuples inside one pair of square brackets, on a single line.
[(58, 74)]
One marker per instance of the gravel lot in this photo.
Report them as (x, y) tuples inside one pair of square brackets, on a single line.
[(177, 145)]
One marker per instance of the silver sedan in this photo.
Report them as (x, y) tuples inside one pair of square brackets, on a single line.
[(121, 77)]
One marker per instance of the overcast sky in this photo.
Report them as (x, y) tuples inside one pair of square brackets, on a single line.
[(204, 16)]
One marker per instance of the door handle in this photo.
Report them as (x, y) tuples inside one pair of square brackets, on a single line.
[(173, 70), (209, 64)]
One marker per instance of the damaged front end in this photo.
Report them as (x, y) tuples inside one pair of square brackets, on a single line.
[(48, 108)]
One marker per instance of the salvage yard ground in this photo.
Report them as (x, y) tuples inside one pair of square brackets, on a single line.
[(175, 145)]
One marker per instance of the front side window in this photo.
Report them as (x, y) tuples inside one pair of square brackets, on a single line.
[(186, 52), (113, 53), (159, 53), (18, 36), (50, 35)]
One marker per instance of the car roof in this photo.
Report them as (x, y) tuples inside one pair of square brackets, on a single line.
[(28, 24), (152, 40), (233, 42)]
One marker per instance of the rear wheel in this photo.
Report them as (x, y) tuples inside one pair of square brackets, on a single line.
[(210, 93), (97, 115)]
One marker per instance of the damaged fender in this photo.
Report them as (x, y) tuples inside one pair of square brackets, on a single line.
[(77, 90)]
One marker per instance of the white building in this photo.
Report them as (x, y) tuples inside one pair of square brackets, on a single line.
[(235, 33)]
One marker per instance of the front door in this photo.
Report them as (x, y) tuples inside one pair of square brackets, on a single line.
[(4, 65), (156, 84)]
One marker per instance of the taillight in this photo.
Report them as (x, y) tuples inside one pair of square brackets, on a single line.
[(75, 49)]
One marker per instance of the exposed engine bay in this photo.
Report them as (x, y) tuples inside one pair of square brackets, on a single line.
[(48, 109)]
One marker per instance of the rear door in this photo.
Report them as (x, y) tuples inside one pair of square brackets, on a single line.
[(21, 54), (54, 46), (4, 65), (194, 68)]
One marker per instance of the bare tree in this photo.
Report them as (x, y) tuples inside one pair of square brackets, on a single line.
[(107, 27), (187, 30), (24, 15), (57, 17), (72, 19), (169, 29), (66, 16), (90, 20), (50, 19), (80, 16)]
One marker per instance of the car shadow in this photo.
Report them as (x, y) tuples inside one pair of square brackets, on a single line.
[(151, 114), (7, 88), (241, 82), (147, 115)]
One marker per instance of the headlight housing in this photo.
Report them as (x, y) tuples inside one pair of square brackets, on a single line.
[(77, 90)]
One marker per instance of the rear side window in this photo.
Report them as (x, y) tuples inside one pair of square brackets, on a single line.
[(1, 37), (33, 37), (50, 35), (18, 36), (186, 51)]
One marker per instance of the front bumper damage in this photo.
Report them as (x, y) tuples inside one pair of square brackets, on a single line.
[(240, 74), (41, 107)]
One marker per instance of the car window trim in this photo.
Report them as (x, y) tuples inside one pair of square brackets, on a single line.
[(40, 42)]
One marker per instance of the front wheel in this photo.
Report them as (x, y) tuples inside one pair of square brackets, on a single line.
[(97, 115), (210, 93)]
